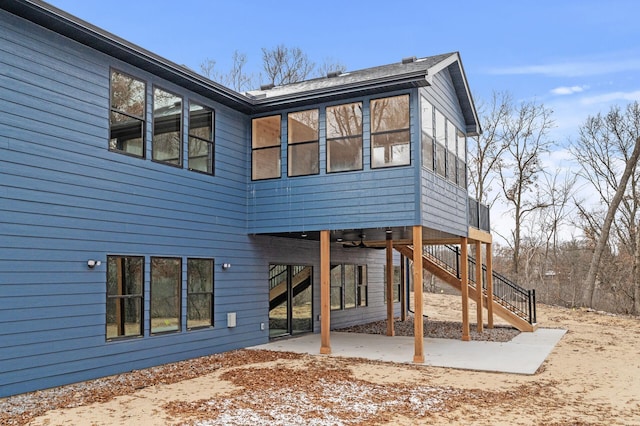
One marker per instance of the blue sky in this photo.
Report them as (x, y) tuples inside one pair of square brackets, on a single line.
[(577, 57)]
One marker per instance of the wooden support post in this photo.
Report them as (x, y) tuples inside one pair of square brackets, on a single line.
[(418, 357), (403, 290), (480, 325), (464, 277), (489, 256), (389, 285), (325, 292)]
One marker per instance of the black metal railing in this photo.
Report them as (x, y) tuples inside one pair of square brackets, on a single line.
[(519, 300), (479, 215)]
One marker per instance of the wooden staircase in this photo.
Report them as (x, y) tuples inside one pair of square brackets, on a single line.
[(447, 274)]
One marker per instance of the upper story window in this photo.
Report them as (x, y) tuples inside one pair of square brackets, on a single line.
[(390, 136), (167, 128), (201, 142), (426, 117), (126, 118), (344, 137), (462, 158), (303, 147), (452, 139), (265, 144), (447, 154), (441, 143)]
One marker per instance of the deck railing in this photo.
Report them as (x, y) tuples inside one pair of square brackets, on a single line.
[(479, 215), (519, 300)]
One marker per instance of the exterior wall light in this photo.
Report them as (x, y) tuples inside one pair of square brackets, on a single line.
[(93, 263), (226, 266)]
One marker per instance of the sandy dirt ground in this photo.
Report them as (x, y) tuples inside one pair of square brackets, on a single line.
[(592, 377)]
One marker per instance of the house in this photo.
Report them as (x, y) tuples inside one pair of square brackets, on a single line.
[(150, 215)]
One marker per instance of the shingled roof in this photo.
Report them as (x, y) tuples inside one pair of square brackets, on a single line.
[(401, 75)]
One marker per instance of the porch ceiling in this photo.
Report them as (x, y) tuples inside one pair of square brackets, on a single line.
[(374, 237)]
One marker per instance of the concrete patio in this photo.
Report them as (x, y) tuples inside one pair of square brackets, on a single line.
[(524, 354)]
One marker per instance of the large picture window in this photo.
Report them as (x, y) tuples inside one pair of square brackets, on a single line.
[(348, 286), (265, 144), (344, 137), (303, 147), (126, 117), (125, 284), (390, 136), (201, 134), (166, 291), (199, 293), (167, 128)]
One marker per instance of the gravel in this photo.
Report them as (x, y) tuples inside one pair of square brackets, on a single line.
[(436, 329)]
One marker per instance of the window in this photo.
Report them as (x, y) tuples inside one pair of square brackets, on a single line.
[(303, 154), (441, 143), (396, 283), (126, 118), (462, 162), (166, 290), (427, 134), (125, 283), (167, 128), (265, 143), (452, 138), (390, 136), (199, 293), (344, 137), (201, 133), (348, 286), (336, 287), (362, 298)]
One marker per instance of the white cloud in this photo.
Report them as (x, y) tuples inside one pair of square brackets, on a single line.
[(572, 69), (568, 90), (611, 97)]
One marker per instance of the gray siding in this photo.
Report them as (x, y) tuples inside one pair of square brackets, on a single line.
[(444, 204), (358, 199), (64, 199)]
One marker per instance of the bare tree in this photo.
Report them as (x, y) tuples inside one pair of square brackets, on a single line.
[(236, 78), (606, 143), (330, 65), (285, 65), (485, 151), (525, 134)]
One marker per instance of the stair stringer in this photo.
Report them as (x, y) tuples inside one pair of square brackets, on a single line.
[(447, 277)]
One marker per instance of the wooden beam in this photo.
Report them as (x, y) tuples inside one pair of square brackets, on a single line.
[(480, 325), (464, 277), (403, 289), (478, 235), (389, 284), (418, 356), (489, 285), (325, 292)]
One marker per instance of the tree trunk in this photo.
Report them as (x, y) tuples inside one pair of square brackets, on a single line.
[(635, 308), (608, 220)]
